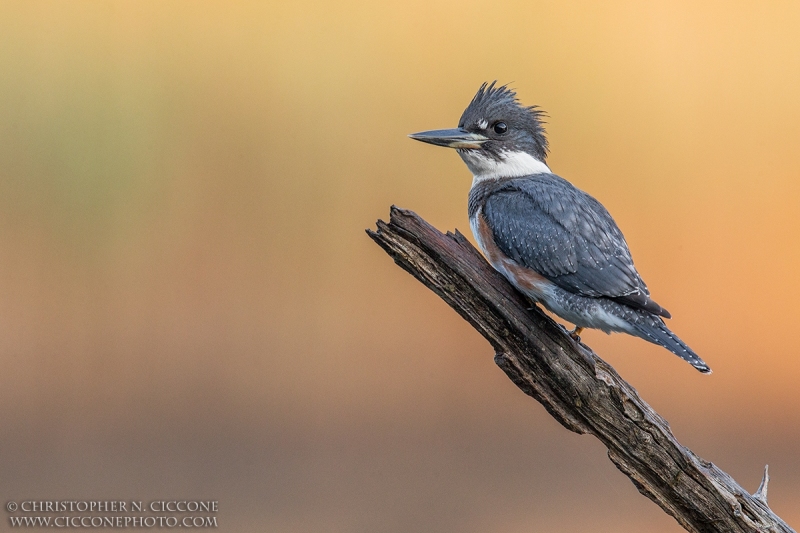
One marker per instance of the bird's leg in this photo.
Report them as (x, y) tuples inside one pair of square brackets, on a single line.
[(576, 333)]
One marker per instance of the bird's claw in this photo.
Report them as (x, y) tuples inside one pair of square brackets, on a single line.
[(576, 334)]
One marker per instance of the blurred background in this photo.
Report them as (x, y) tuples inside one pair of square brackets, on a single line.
[(190, 309)]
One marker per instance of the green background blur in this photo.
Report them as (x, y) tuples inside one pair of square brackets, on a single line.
[(189, 306)]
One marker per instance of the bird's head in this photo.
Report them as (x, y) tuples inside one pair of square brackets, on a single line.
[(496, 137)]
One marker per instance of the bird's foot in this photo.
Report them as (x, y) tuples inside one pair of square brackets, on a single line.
[(576, 334)]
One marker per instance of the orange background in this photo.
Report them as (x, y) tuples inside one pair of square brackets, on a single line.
[(189, 306)]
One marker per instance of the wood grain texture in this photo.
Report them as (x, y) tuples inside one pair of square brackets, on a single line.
[(580, 390)]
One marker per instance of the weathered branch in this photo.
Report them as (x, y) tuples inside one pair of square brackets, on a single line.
[(580, 390)]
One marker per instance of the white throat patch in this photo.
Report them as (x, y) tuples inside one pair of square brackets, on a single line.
[(510, 165)]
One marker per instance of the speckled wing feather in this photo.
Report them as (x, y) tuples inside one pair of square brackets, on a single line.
[(566, 236)]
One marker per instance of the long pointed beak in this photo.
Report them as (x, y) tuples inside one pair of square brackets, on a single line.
[(455, 138)]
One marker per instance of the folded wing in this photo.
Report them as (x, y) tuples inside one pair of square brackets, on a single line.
[(559, 231)]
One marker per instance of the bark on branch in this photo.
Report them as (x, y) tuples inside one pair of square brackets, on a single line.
[(580, 390)]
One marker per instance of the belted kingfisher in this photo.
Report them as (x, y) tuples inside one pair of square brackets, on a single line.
[(552, 241)]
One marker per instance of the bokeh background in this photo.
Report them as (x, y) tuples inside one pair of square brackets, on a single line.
[(189, 306)]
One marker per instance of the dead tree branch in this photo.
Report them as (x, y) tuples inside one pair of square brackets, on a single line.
[(580, 390)]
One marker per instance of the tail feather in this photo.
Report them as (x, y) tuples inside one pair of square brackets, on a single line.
[(655, 331)]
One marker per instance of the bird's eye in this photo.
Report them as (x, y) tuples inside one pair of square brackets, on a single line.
[(500, 128)]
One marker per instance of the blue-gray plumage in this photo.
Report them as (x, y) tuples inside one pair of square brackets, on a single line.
[(554, 242)]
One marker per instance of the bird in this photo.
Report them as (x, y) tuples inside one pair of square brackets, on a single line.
[(554, 242)]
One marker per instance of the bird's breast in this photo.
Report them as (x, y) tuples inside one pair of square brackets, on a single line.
[(523, 278)]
